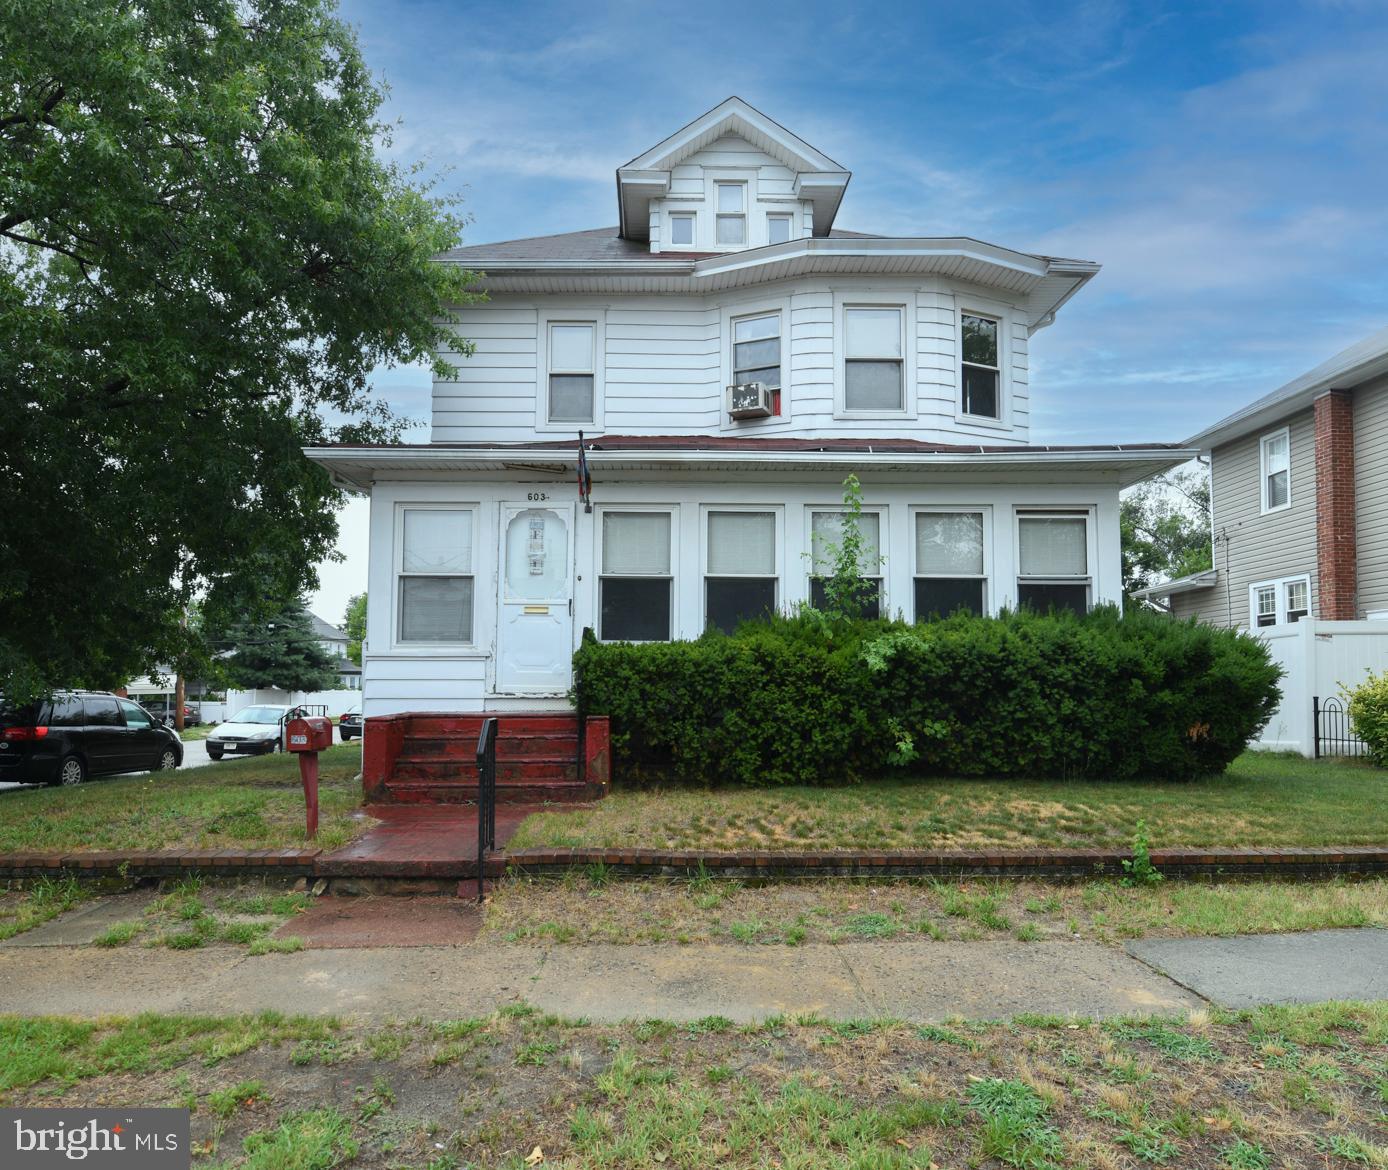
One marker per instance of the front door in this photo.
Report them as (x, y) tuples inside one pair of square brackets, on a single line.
[(535, 612)]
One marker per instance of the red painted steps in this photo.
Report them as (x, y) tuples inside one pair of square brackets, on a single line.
[(430, 757)]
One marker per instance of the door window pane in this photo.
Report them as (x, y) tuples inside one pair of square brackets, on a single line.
[(742, 542), (938, 597), (636, 543), (102, 712), (136, 716), (826, 537), (436, 609), (537, 557), (949, 543), (732, 600), (437, 540), (1053, 546), (1045, 597), (635, 609)]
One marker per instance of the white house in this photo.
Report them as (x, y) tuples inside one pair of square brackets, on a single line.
[(903, 360)]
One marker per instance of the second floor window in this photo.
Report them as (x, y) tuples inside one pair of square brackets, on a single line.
[(731, 223), (1277, 470), (872, 375), (777, 229), (757, 352), (682, 230), (980, 372), (571, 360)]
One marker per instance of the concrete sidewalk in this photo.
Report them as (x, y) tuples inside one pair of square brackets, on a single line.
[(921, 981)]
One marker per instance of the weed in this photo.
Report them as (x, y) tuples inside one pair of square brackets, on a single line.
[(225, 1102), (118, 934), (1244, 1155), (276, 946), (317, 1139), (1139, 870)]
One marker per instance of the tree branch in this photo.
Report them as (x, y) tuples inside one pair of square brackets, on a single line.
[(25, 119)]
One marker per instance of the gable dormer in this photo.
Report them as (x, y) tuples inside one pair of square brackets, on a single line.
[(730, 180)]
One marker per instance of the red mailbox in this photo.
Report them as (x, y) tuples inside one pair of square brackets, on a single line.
[(309, 733)]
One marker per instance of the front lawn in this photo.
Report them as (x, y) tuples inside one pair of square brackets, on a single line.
[(254, 803), (1262, 800), (1279, 1087)]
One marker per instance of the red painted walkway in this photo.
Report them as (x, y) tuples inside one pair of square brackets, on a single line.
[(421, 841)]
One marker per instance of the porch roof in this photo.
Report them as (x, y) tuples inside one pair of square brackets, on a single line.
[(358, 466)]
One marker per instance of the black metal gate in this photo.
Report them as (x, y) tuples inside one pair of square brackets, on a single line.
[(1333, 734)]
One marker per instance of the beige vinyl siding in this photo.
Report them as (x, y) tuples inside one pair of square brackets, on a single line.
[(1259, 547), (1371, 493)]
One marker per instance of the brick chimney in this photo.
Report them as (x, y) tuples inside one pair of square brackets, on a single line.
[(1336, 550)]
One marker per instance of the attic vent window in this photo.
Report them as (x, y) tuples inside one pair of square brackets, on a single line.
[(732, 214)]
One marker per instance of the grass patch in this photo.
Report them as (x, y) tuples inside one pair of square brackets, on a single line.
[(253, 803), (316, 1139), (42, 901), (1262, 799)]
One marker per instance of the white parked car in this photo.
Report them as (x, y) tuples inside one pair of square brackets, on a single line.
[(252, 730)]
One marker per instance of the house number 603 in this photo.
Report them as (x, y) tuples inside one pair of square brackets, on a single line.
[(537, 496)]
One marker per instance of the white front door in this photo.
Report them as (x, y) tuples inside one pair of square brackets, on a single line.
[(534, 642)]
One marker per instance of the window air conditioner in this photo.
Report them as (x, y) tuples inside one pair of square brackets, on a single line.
[(749, 400)]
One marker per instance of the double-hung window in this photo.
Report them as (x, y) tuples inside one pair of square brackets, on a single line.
[(950, 572), (436, 575), (872, 376), (572, 346), (1276, 459), (827, 533), (740, 583), (1053, 561), (682, 229), (731, 223), (1273, 603), (757, 353), (980, 371), (635, 583), (777, 229)]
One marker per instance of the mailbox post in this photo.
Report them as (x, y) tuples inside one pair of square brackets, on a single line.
[(307, 735)]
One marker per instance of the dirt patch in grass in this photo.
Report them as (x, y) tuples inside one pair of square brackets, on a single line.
[(1274, 1088), (1263, 800), (586, 907), (255, 803)]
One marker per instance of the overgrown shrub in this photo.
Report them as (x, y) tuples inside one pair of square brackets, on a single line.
[(1368, 714), (803, 699)]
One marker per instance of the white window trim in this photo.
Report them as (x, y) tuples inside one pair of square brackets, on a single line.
[(673, 511), (1091, 546), (397, 573), (906, 304), (984, 510), (1282, 432), (750, 201), (789, 217), (1279, 586), (669, 245), (778, 511), (736, 311), (577, 315), (970, 306), (882, 512)]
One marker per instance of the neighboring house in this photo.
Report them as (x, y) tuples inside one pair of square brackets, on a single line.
[(1299, 495), (334, 642), (730, 356), (345, 696)]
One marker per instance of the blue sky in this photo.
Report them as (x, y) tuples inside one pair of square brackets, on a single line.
[(1227, 163)]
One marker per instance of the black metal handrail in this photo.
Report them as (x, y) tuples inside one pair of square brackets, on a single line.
[(486, 796)]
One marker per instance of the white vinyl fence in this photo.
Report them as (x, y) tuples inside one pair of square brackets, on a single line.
[(1319, 658)]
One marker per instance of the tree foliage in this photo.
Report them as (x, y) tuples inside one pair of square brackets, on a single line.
[(202, 257), (282, 653), (1165, 526), (847, 589), (354, 625)]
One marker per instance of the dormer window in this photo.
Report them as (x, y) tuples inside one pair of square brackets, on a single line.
[(682, 229), (732, 214), (777, 229), (981, 372)]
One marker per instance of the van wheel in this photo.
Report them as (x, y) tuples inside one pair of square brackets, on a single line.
[(168, 761), (71, 771)]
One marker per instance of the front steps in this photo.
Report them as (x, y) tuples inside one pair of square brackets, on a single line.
[(431, 758)]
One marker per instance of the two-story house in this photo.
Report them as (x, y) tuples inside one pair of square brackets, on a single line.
[(1299, 519), (729, 356)]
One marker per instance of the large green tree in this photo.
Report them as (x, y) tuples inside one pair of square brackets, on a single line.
[(202, 257), (1165, 527), (282, 653)]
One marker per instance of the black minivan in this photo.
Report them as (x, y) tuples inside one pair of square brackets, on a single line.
[(77, 734)]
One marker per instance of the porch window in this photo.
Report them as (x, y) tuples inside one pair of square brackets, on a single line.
[(980, 370), (635, 583), (740, 584), (1277, 470), (436, 575), (826, 538), (949, 564), (571, 362), (757, 353), (731, 224), (872, 377), (1054, 562), (682, 229), (777, 229)]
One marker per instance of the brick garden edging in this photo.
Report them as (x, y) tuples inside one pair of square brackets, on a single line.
[(1057, 864)]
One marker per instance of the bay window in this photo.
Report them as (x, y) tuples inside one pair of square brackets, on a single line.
[(826, 540), (949, 570), (757, 353), (436, 575), (872, 376), (980, 369), (740, 580), (1053, 562), (635, 581)]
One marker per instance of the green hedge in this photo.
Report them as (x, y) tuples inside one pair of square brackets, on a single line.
[(808, 700)]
